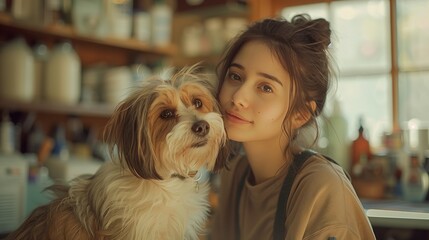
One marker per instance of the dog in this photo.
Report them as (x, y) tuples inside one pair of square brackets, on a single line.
[(160, 135)]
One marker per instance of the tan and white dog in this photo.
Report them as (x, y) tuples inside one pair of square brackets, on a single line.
[(161, 135)]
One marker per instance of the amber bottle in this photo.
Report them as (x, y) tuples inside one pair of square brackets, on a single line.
[(360, 151)]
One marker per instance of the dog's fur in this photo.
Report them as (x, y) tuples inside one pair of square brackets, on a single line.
[(162, 133)]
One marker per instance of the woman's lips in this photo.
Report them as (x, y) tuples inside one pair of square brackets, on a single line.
[(236, 118)]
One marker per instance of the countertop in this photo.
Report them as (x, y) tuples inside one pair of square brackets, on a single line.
[(397, 213)]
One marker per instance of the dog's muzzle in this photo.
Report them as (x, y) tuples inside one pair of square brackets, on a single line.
[(201, 128)]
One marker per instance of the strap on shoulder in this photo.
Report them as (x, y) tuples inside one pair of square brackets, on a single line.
[(242, 180), (280, 219), (333, 161)]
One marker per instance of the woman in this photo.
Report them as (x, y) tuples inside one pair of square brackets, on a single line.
[(274, 79)]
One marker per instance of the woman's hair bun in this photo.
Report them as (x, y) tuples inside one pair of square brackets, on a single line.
[(314, 32)]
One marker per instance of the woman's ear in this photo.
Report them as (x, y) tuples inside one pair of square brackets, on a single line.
[(303, 115)]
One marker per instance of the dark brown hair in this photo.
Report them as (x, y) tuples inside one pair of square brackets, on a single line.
[(301, 47)]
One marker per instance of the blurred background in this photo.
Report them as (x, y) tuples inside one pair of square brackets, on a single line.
[(65, 64)]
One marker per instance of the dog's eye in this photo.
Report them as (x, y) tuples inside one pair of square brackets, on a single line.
[(198, 103), (167, 114)]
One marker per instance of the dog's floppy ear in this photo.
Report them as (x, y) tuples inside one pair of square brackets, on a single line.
[(224, 150), (127, 132)]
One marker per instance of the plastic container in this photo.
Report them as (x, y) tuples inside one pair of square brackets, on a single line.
[(63, 75), (16, 71)]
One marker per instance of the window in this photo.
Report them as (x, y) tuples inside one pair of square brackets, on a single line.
[(362, 53), (413, 60)]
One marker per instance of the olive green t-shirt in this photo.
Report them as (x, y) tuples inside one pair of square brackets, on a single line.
[(322, 204)]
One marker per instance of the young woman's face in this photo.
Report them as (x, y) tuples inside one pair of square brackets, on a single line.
[(255, 95)]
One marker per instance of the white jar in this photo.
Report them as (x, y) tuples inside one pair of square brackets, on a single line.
[(63, 69), (16, 71)]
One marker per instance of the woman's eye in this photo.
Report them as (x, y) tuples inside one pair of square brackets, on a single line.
[(198, 103), (234, 76), (167, 114), (266, 88)]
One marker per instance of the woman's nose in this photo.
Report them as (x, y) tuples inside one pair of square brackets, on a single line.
[(241, 97)]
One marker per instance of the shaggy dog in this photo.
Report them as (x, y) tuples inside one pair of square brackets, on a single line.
[(160, 135)]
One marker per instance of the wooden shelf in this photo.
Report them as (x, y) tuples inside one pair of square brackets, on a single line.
[(94, 109), (221, 10), (64, 32), (204, 60)]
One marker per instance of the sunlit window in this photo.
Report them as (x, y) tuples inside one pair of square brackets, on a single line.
[(413, 34), (361, 50), (413, 60)]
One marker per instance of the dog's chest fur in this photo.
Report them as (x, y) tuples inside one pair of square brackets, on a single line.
[(127, 207)]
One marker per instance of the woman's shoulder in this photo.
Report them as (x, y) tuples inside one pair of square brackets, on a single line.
[(318, 169), (323, 202), (325, 180)]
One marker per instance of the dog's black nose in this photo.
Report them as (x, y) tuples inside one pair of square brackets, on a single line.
[(201, 128)]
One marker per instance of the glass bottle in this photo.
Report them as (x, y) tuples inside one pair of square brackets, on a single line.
[(415, 180)]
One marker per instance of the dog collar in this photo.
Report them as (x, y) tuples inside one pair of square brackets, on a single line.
[(176, 175), (191, 174)]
